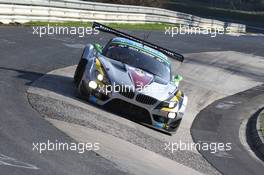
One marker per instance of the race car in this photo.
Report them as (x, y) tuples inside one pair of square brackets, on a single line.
[(136, 76)]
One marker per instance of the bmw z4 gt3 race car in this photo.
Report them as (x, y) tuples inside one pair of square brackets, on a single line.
[(135, 75)]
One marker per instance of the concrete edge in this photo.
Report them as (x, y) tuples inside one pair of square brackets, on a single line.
[(71, 121), (258, 125), (123, 153), (50, 96), (256, 140)]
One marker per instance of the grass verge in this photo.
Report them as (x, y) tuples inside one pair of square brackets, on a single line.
[(130, 26)]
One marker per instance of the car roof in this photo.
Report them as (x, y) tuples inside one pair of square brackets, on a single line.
[(156, 53)]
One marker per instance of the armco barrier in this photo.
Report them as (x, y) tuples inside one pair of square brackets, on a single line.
[(22, 11)]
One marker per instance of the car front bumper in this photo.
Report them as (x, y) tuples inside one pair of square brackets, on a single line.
[(157, 118)]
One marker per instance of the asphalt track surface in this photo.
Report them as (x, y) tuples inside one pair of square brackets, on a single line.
[(25, 58), (221, 122), (21, 63)]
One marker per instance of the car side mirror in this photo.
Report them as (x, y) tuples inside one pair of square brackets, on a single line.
[(98, 47), (176, 79)]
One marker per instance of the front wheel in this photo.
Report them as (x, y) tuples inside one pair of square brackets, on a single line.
[(79, 71)]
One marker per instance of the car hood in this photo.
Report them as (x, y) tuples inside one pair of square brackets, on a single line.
[(145, 82)]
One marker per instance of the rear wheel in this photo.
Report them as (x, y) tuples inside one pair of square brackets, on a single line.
[(79, 71)]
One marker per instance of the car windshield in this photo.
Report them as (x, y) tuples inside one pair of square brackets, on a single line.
[(139, 59)]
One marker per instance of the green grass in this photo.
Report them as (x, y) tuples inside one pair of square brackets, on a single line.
[(66, 23), (125, 26), (130, 26), (262, 123), (147, 26)]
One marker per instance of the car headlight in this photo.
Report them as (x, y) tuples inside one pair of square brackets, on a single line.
[(171, 103), (100, 72), (100, 77), (171, 115), (93, 84), (168, 104)]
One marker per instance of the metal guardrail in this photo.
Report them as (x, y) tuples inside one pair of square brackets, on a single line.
[(73, 10)]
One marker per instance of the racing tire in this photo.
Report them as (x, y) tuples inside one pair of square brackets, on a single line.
[(83, 92), (79, 71)]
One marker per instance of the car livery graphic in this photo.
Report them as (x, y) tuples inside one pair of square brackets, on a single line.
[(135, 75)]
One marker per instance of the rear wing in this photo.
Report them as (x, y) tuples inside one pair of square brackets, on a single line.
[(167, 52)]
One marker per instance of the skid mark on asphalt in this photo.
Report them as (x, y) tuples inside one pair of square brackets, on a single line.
[(223, 154), (75, 46), (5, 41), (9, 161), (226, 104)]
